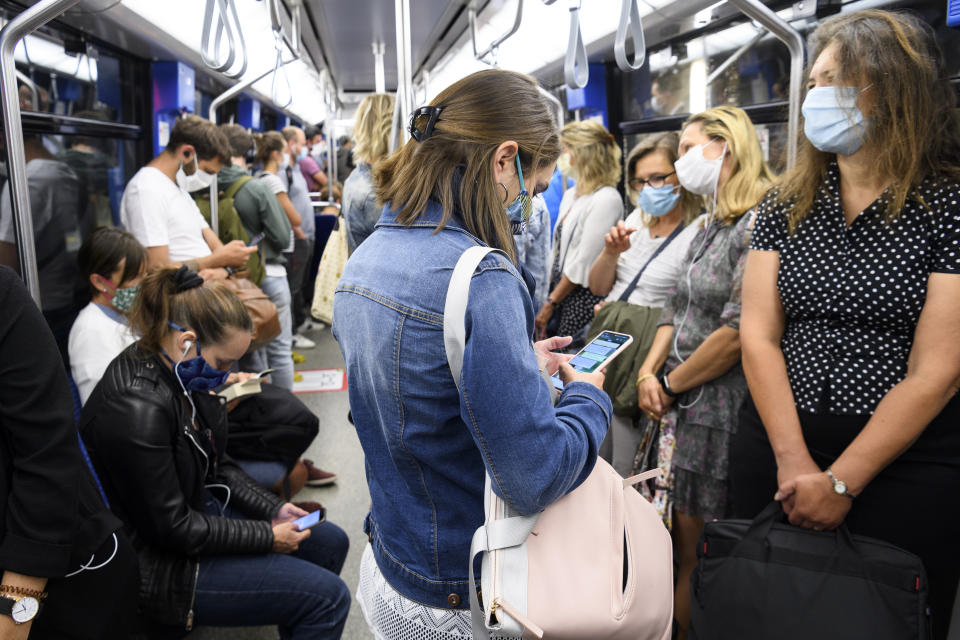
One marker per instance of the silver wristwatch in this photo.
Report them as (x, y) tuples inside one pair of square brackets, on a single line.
[(839, 486)]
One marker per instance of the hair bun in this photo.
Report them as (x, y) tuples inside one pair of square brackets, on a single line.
[(186, 279)]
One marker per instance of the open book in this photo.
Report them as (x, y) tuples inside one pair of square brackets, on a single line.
[(240, 389)]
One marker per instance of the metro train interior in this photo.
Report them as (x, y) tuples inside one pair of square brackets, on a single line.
[(100, 85)]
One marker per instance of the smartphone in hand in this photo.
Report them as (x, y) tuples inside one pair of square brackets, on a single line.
[(311, 519), (255, 240), (597, 354)]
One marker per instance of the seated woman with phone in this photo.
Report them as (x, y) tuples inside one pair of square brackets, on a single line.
[(642, 260), (214, 547)]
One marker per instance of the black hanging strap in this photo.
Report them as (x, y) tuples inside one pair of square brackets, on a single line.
[(636, 280)]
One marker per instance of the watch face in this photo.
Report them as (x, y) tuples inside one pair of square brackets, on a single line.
[(840, 487), (24, 609)]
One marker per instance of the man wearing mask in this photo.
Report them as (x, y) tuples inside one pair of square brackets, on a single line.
[(158, 210), (296, 186)]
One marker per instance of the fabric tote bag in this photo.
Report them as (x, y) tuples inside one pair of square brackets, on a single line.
[(765, 578), (597, 563), (328, 273)]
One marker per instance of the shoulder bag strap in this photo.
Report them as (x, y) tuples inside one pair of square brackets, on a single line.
[(636, 280), (455, 308), (236, 186)]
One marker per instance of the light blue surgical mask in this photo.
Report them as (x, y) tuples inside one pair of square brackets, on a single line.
[(518, 211), (658, 201), (303, 153), (832, 121)]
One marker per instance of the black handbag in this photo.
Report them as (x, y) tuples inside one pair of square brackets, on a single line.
[(765, 579)]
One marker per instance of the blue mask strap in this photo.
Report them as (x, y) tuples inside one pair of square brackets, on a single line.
[(523, 189), (182, 330)]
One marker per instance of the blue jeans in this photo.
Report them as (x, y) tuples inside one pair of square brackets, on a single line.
[(278, 350), (301, 593)]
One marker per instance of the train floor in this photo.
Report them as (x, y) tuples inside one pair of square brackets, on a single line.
[(336, 449)]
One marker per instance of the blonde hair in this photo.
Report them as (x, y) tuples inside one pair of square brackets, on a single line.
[(478, 114), (750, 177), (914, 129), (371, 134), (666, 144), (596, 155)]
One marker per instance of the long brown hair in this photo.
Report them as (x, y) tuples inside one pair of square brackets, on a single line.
[(479, 113), (666, 143), (208, 310), (913, 131), (750, 177), (596, 155), (267, 143)]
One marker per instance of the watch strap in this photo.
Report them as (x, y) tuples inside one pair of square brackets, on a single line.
[(839, 486), (665, 384), (6, 605)]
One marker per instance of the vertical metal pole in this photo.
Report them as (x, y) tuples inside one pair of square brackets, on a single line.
[(404, 67), (380, 78), (214, 207), (26, 22), (791, 37)]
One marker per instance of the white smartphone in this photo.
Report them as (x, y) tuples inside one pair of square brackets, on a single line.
[(597, 353)]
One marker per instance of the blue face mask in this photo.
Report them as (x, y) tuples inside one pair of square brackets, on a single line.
[(658, 201), (518, 212), (196, 374), (832, 121)]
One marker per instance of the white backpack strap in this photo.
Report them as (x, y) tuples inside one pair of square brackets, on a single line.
[(455, 308), (497, 534)]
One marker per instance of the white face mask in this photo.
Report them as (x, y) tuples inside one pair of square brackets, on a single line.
[(197, 180), (696, 173), (286, 159)]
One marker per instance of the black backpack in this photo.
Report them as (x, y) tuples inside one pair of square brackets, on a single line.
[(272, 425)]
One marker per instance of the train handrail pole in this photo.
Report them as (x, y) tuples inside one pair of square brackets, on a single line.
[(26, 22), (791, 37), (404, 100), (736, 55), (472, 15)]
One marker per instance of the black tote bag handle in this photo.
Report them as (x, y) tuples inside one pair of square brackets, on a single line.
[(845, 558)]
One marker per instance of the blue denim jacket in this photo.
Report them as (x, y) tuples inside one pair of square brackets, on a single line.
[(428, 445), (360, 208)]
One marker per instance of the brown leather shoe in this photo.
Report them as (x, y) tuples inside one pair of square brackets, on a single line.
[(317, 477)]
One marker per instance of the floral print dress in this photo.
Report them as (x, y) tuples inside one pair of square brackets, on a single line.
[(706, 298)]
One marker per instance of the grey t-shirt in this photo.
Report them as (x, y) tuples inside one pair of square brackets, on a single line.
[(56, 210), (300, 197)]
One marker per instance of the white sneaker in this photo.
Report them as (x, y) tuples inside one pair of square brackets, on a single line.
[(303, 342), (310, 325)]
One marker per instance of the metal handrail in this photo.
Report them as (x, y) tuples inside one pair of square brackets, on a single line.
[(629, 12), (575, 67), (237, 89), (736, 55), (404, 100), (791, 37), (14, 31), (472, 14)]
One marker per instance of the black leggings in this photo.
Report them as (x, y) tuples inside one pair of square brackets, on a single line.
[(914, 504)]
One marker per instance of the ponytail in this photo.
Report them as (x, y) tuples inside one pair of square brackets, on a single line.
[(208, 310), (267, 143)]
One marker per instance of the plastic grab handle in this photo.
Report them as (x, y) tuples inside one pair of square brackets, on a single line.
[(575, 68)]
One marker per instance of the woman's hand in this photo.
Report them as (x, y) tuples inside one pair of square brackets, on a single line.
[(546, 358), (542, 319), (287, 513), (815, 504), (652, 400), (287, 538), (299, 233), (568, 374), (617, 240), (598, 306), (789, 467)]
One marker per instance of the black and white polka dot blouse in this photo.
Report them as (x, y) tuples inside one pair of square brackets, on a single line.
[(852, 295)]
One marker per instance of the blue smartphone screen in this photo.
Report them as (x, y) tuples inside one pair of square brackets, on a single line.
[(256, 239), (593, 356), (310, 520)]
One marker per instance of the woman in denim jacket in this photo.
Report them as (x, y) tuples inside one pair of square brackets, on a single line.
[(428, 445)]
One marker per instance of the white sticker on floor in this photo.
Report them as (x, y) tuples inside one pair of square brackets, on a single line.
[(317, 380)]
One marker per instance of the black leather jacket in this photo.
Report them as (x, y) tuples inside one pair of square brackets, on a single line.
[(154, 468)]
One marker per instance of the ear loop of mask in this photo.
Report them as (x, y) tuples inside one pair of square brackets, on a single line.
[(176, 372), (525, 203), (697, 256)]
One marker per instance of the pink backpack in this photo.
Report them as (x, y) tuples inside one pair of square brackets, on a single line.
[(598, 563)]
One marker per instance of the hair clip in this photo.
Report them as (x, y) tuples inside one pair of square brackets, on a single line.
[(433, 112), (186, 279)]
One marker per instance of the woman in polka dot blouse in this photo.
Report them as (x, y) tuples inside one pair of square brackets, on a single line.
[(851, 305)]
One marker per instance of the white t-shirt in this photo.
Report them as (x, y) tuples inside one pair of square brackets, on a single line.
[(662, 274), (159, 213), (96, 339), (276, 186)]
